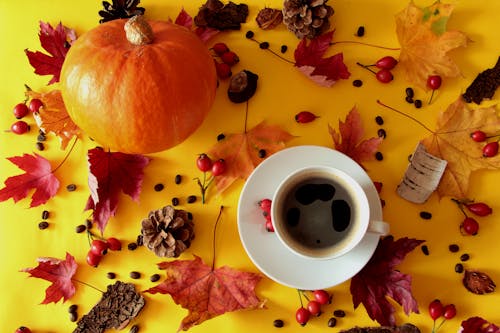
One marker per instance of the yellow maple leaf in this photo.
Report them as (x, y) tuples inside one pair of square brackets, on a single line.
[(241, 151), (425, 42), (53, 117), (452, 142)]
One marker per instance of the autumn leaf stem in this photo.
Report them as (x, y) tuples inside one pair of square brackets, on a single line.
[(300, 297), (460, 206), (366, 44), (272, 52), (66, 156), (406, 115), (86, 284), (204, 185), (215, 230), (366, 67)]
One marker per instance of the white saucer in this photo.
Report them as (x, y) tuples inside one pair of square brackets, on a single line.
[(265, 249)]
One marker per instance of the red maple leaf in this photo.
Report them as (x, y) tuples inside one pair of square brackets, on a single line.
[(241, 151), (478, 325), (60, 273), (55, 42), (38, 176), (324, 71), (379, 279), (109, 174), (207, 292), (349, 139), (204, 33)]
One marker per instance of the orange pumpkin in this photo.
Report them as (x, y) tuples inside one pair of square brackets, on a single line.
[(142, 90)]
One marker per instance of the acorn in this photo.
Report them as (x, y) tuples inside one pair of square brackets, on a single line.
[(242, 86)]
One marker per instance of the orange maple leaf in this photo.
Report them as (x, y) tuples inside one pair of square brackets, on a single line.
[(349, 138), (451, 141), (241, 151), (207, 292), (425, 42), (53, 117)]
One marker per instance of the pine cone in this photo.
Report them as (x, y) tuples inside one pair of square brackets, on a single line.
[(168, 231), (120, 9), (307, 18)]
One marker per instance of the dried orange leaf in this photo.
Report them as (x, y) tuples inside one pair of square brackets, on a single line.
[(425, 42)]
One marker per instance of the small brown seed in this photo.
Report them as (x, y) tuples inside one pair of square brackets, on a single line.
[(73, 308), (178, 179), (73, 316), (361, 31), (80, 228), (453, 248), (425, 250), (409, 99), (111, 275), (381, 133), (464, 257), (221, 137), (132, 246), (71, 187), (379, 156), (425, 215), (418, 103), (175, 201), (134, 329), (264, 45), (339, 313), (262, 153), (283, 48), (40, 146), (379, 120), (89, 224), (278, 323), (140, 240), (45, 214), (332, 322), (191, 199), (459, 268), (357, 83), (154, 277), (135, 275), (41, 137), (43, 225), (159, 187)]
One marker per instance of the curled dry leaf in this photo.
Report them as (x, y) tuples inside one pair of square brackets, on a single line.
[(478, 325), (478, 282), (405, 328), (269, 18)]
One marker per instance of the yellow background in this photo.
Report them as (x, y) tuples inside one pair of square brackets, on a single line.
[(282, 92)]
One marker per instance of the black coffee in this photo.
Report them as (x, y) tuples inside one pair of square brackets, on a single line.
[(318, 213)]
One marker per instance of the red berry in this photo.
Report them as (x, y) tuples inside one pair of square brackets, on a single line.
[(491, 149), (314, 308), (114, 244), (378, 186), (435, 309), (387, 62), (479, 208), (321, 296), (478, 136), (302, 316), (305, 117), (20, 110), (434, 82), (35, 105), (20, 127), (220, 48), (230, 58), (93, 259), (384, 76), (269, 224), (23, 329), (449, 311), (265, 205), (223, 70), (470, 226), (219, 167), (204, 163), (98, 247)]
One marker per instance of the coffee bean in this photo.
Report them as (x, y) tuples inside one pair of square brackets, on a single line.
[(357, 83), (361, 31), (453, 248), (132, 246), (73, 316), (134, 329), (379, 120), (278, 323), (264, 45), (332, 322), (409, 99), (190, 216), (249, 34), (154, 277), (379, 156), (459, 268), (262, 153), (418, 103), (159, 187), (221, 137), (425, 250), (175, 201), (43, 225), (381, 133), (45, 214), (191, 199), (135, 275), (178, 179), (339, 313), (80, 228), (73, 308), (40, 146), (111, 275), (283, 48), (464, 257), (41, 137), (71, 187), (140, 240), (425, 215), (89, 224)]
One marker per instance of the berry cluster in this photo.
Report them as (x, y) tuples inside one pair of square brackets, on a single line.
[(265, 206), (469, 225), (99, 248), (490, 149), (384, 65), (313, 307), (20, 111), (228, 59), (438, 310), (204, 163)]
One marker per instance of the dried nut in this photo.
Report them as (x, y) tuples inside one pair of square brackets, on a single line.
[(269, 18), (478, 282)]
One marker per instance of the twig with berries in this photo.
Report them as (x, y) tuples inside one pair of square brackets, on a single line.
[(491, 148), (313, 307), (99, 247), (469, 225), (205, 164), (438, 310)]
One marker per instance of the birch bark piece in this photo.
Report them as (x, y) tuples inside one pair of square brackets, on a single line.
[(422, 176)]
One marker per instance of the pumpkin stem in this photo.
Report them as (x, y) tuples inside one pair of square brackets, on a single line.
[(138, 31)]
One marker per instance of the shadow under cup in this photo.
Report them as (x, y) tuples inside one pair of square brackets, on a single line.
[(320, 212)]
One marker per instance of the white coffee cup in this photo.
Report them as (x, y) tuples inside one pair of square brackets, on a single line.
[(320, 212)]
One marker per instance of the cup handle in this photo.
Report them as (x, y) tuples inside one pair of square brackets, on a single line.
[(379, 227)]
